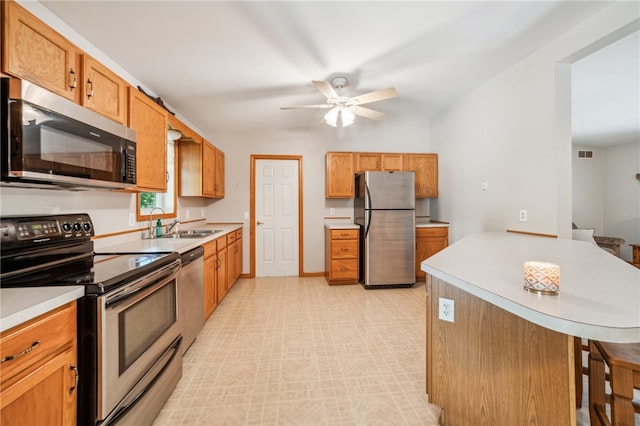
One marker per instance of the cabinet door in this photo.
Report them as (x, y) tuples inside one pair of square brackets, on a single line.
[(219, 185), (367, 162), (149, 121), (238, 258), (429, 241), (339, 175), (221, 273), (210, 297), (35, 52), (231, 264), (104, 91), (391, 162), (45, 396), (208, 169), (425, 167)]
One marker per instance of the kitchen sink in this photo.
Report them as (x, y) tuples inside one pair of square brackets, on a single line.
[(192, 233)]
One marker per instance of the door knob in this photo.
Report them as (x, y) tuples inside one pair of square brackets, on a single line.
[(260, 223)]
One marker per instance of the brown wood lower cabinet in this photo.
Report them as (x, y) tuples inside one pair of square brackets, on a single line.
[(222, 267), (39, 386), (341, 256), (429, 241)]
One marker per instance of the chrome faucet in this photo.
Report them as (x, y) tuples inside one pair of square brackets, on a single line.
[(152, 234), (172, 225)]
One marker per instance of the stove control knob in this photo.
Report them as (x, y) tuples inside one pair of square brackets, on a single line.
[(86, 226), (77, 227), (66, 227)]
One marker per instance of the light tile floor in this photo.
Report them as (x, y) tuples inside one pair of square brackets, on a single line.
[(295, 351)]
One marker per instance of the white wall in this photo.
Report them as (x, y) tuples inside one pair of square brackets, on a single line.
[(621, 194), (606, 194), (514, 131), (586, 185)]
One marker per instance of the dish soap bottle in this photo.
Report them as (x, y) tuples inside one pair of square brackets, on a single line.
[(158, 228)]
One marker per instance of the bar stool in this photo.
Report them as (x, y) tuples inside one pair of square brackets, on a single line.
[(623, 361)]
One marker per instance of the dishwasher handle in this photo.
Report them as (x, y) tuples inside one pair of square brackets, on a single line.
[(191, 256)]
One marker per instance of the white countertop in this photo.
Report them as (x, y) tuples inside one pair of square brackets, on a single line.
[(179, 245), (18, 305), (341, 226), (353, 226), (599, 293), (432, 225)]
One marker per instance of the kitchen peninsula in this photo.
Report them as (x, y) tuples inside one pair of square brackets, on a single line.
[(508, 355)]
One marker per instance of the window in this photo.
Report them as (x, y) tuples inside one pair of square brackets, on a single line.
[(165, 200)]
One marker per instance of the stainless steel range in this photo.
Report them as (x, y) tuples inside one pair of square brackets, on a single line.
[(129, 354)]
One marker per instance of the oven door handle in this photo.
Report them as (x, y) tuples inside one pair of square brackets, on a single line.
[(131, 289), (146, 382)]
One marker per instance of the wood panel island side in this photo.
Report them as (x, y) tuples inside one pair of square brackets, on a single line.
[(508, 356)]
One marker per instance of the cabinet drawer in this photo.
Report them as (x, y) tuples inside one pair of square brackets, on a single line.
[(344, 249), (238, 233), (53, 330), (210, 248), (344, 234), (432, 232), (231, 237), (344, 269)]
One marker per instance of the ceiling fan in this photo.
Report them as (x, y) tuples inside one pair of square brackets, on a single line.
[(343, 108)]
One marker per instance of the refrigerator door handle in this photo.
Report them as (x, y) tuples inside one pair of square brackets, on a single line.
[(368, 221)]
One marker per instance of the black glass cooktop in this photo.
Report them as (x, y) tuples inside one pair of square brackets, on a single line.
[(98, 273)]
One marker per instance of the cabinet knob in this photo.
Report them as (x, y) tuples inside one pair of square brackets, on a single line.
[(259, 223)]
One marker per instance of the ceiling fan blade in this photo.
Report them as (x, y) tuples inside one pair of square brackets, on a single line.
[(367, 112), (308, 106), (378, 95), (325, 88)]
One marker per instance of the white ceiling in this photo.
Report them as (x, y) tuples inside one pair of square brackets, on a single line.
[(230, 66)]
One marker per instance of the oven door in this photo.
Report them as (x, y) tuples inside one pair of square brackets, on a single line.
[(139, 337)]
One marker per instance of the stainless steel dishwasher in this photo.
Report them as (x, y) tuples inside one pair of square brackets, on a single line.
[(191, 296)]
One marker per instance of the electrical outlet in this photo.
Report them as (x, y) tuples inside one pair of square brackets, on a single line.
[(484, 185), (523, 215), (332, 211), (446, 309), (132, 219), (187, 214), (246, 215)]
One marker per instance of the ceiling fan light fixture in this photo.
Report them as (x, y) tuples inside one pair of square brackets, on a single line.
[(339, 117)]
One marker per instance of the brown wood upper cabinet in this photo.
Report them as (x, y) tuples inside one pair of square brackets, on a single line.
[(339, 175), (371, 161), (149, 120), (104, 92), (426, 168), (201, 169), (35, 52), (341, 167)]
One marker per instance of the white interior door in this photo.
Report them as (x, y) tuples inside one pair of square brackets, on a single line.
[(276, 204)]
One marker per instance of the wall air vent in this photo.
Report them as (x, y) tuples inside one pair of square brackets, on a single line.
[(585, 154)]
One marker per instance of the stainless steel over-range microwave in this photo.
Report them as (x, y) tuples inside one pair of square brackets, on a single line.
[(50, 141)]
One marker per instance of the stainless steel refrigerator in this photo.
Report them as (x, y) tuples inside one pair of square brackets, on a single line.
[(384, 208)]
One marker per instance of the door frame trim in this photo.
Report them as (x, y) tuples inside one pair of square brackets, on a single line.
[(252, 212)]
